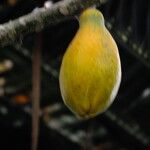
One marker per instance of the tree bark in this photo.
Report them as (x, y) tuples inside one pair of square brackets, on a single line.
[(13, 31)]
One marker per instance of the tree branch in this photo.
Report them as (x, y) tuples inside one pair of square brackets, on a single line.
[(42, 17)]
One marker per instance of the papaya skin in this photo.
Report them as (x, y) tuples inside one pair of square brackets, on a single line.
[(90, 72)]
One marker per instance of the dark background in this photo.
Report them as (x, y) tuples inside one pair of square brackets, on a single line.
[(124, 126)]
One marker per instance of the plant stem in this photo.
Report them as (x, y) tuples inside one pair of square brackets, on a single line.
[(36, 83)]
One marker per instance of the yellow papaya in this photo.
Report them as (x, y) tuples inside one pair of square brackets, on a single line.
[(90, 72)]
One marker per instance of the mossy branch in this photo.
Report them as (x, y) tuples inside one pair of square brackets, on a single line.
[(42, 17)]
